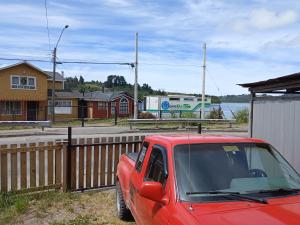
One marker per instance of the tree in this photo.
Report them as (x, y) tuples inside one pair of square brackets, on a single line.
[(81, 80)]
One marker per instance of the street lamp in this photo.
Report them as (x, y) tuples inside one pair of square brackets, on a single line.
[(54, 72)]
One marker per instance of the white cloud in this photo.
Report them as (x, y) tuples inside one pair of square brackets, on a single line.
[(263, 19)]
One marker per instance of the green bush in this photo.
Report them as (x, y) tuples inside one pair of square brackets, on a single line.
[(242, 116), (216, 113)]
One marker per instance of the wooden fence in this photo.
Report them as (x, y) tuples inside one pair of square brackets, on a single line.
[(79, 165)]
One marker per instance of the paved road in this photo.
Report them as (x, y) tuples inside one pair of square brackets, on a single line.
[(51, 134)]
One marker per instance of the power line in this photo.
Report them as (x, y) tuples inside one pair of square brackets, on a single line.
[(46, 11), (70, 62)]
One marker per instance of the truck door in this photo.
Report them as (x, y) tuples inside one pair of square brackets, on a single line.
[(149, 211), (136, 180)]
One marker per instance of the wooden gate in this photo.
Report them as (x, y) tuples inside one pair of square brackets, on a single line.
[(92, 162)]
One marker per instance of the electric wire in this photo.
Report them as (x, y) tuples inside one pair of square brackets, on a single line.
[(47, 25), (219, 90)]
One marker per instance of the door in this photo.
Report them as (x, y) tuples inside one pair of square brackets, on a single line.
[(82, 109), (153, 212), (32, 111)]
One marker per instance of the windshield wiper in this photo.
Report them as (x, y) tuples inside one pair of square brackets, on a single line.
[(279, 190), (231, 194)]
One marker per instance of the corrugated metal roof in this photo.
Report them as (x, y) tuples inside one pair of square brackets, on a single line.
[(289, 83)]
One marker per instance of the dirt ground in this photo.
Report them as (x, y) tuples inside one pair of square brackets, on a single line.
[(71, 209)]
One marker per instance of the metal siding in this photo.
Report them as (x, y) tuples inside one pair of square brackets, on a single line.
[(278, 122)]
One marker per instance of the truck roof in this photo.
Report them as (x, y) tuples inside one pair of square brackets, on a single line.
[(175, 139)]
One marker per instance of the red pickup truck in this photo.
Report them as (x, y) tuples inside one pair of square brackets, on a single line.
[(207, 180)]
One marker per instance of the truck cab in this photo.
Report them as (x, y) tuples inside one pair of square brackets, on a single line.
[(192, 179)]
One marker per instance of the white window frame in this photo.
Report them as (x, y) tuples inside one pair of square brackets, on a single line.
[(121, 107), (9, 110), (61, 110), (20, 86)]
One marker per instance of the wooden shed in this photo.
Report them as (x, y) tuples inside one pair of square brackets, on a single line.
[(275, 114)]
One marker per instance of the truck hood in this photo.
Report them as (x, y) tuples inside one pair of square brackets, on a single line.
[(277, 212)]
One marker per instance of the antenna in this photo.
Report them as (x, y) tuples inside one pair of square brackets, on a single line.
[(189, 168), (203, 82)]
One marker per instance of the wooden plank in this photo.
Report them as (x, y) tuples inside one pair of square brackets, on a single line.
[(32, 166), (110, 161), (103, 162), (3, 169), (58, 160), (88, 163), (123, 148), (23, 166), (50, 162), (96, 163), (14, 169), (73, 166), (116, 157), (81, 164), (41, 164), (130, 145)]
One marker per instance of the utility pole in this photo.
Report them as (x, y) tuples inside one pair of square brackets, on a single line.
[(203, 82), (135, 112), (54, 73), (53, 86)]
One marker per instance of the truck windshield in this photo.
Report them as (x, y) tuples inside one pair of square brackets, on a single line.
[(208, 171)]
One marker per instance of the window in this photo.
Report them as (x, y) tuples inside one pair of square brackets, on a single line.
[(113, 108), (23, 82), (141, 157), (188, 99), (155, 171), (102, 105), (174, 99), (10, 108), (61, 107), (124, 106), (233, 167)]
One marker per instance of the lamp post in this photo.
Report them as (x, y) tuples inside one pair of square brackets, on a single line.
[(54, 72)]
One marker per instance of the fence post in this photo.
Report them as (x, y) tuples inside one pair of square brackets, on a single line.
[(46, 113), (68, 162), (82, 116), (199, 128), (116, 117)]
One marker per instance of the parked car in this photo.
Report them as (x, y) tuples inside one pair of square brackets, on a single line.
[(207, 180)]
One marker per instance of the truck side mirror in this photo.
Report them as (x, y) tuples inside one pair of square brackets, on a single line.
[(153, 191)]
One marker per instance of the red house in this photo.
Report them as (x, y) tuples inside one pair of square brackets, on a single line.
[(106, 105)]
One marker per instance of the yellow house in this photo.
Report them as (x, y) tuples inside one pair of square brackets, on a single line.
[(25, 91)]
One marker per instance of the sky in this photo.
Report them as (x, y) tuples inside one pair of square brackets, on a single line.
[(247, 41)]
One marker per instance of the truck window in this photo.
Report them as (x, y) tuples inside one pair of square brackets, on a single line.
[(141, 157), (155, 170)]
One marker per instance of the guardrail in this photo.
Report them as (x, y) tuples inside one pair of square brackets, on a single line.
[(131, 122), (41, 124)]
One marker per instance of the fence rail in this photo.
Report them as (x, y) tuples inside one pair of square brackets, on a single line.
[(75, 165)]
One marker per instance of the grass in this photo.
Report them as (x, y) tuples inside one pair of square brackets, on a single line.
[(12, 205), (58, 208)]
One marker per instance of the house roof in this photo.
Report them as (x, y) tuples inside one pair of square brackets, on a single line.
[(58, 76), (68, 94), (89, 96), (284, 84), (49, 74), (105, 96)]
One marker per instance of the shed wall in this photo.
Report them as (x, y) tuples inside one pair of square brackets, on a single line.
[(278, 122)]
